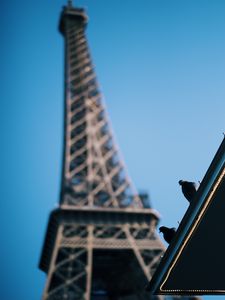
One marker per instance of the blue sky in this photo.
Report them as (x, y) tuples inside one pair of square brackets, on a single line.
[(161, 67)]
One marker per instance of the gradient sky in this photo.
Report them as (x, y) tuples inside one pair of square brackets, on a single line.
[(161, 67)]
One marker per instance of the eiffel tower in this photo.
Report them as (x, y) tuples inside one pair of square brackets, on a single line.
[(100, 242)]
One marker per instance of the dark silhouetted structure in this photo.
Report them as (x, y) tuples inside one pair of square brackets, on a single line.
[(194, 263)]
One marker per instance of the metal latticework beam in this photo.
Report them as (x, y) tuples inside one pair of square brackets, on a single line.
[(89, 257), (94, 174)]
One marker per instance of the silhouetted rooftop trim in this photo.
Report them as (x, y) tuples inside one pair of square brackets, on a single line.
[(194, 262)]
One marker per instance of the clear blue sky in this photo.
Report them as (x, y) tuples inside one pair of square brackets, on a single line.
[(161, 66)]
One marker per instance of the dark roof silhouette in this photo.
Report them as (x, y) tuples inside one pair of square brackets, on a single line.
[(194, 262)]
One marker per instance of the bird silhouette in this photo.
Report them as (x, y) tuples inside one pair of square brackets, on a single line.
[(189, 189), (168, 233)]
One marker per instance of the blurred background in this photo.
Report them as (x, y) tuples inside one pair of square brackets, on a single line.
[(161, 67)]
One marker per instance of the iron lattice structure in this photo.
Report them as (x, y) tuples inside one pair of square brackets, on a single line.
[(101, 241)]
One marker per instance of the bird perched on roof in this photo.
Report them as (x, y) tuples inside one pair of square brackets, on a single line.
[(168, 233), (189, 189)]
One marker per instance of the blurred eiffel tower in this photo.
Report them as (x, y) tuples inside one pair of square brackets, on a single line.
[(101, 241)]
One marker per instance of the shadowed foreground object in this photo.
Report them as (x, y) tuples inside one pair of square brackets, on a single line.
[(189, 189), (198, 248), (168, 233)]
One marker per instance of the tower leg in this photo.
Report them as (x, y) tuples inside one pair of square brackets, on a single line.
[(52, 265), (89, 262)]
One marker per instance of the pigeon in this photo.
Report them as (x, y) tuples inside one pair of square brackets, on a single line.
[(168, 233), (189, 189)]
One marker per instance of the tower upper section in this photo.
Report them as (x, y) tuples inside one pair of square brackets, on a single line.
[(72, 17), (93, 172)]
